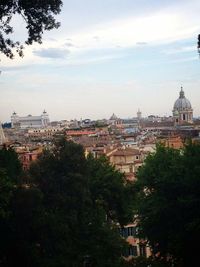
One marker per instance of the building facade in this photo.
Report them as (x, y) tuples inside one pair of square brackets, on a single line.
[(2, 136), (182, 110), (137, 246), (30, 121)]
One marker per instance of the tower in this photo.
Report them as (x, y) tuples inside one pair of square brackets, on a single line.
[(139, 115), (45, 119), (14, 120)]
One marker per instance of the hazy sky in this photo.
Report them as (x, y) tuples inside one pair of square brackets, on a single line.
[(107, 56)]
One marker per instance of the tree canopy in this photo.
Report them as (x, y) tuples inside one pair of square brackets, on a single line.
[(168, 203), (68, 214), (84, 199), (38, 16)]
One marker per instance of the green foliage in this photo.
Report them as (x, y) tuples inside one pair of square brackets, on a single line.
[(20, 233), (10, 171), (83, 199), (110, 190), (10, 163), (6, 187), (38, 16), (69, 210), (148, 262), (168, 202)]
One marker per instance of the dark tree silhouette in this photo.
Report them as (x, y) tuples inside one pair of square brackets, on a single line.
[(168, 190), (68, 213), (38, 15)]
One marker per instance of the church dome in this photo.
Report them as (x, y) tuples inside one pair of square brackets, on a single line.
[(182, 103), (113, 117)]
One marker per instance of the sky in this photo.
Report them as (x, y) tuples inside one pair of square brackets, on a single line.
[(108, 56)]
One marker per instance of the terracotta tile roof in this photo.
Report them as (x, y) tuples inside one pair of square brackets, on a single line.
[(126, 152)]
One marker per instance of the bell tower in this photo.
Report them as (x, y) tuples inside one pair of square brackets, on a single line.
[(45, 119)]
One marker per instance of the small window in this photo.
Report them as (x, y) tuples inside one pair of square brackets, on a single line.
[(128, 231), (143, 251), (131, 231), (133, 251)]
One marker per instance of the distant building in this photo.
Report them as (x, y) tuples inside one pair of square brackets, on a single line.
[(113, 120), (113, 117), (139, 115), (2, 136), (137, 246), (127, 161), (30, 121), (153, 118), (182, 110), (173, 140)]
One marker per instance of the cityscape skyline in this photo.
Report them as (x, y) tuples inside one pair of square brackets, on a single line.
[(123, 57)]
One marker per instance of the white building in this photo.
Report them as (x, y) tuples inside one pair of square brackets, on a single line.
[(139, 115), (2, 136), (182, 110), (30, 121)]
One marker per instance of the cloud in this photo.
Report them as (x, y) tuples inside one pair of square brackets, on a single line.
[(69, 44), (90, 60), (187, 59), (159, 28), (51, 39), (141, 43), (96, 38), (15, 68), (163, 26), (52, 52), (183, 49)]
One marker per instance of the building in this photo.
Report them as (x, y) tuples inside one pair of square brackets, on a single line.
[(26, 153), (182, 110), (139, 115), (137, 246), (127, 161), (30, 121), (173, 140), (2, 136)]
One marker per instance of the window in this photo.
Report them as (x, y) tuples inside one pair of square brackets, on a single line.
[(124, 232), (133, 251), (131, 231), (143, 250), (130, 251), (128, 231)]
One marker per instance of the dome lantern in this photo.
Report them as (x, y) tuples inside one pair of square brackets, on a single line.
[(182, 94)]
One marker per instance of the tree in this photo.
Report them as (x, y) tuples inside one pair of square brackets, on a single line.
[(10, 172), (83, 200), (21, 229), (168, 203), (148, 262), (68, 214), (38, 16), (10, 163)]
